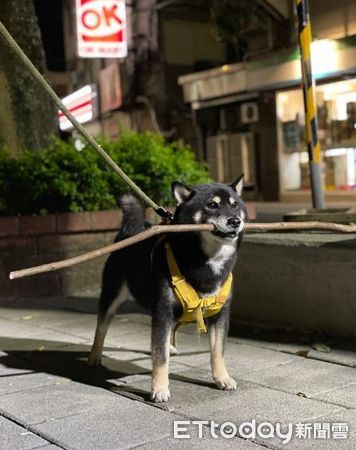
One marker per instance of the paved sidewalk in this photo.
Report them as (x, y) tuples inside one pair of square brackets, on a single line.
[(50, 399)]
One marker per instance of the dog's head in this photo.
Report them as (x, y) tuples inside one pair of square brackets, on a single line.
[(215, 203)]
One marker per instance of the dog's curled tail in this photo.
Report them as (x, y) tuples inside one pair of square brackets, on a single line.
[(133, 219)]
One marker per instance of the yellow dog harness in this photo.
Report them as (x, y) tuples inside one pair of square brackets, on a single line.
[(194, 307)]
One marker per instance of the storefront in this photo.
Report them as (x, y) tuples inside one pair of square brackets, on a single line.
[(336, 106), (251, 115), (234, 119)]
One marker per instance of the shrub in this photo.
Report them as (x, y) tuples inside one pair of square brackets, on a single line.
[(152, 164), (61, 179)]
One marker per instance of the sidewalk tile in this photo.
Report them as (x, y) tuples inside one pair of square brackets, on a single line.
[(111, 427), (14, 437), (285, 347), (13, 365), (42, 317), (245, 358), (118, 330), (137, 342), (338, 356), (10, 384), (50, 447), (204, 443), (239, 358), (23, 331), (345, 396), (134, 317), (185, 389), (305, 375), (14, 345), (48, 386), (260, 403), (47, 403)]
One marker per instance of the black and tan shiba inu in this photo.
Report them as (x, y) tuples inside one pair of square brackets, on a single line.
[(205, 260)]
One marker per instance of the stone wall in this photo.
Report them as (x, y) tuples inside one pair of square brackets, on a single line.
[(34, 240), (301, 280)]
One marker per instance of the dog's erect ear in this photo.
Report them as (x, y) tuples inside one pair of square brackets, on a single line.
[(238, 184), (181, 192)]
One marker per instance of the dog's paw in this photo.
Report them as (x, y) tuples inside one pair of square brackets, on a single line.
[(94, 361), (227, 383), (172, 350), (160, 395)]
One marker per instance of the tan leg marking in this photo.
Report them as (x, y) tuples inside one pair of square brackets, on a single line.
[(173, 346), (97, 348), (160, 381), (218, 368), (103, 326)]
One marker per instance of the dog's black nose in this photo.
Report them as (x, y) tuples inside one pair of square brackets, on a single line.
[(234, 222)]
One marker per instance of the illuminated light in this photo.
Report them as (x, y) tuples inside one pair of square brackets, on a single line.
[(341, 104), (333, 152), (324, 57), (283, 98), (350, 161), (304, 157), (350, 167), (333, 90), (101, 28), (83, 104), (225, 68)]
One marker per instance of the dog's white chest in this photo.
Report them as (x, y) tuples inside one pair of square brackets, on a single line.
[(217, 252), (218, 261)]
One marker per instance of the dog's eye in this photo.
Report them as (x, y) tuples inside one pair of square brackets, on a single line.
[(212, 205), (234, 205)]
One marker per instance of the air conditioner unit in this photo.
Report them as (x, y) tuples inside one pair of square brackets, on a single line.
[(249, 112)]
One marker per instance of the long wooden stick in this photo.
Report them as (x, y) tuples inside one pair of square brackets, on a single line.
[(282, 226), (155, 229), (158, 229)]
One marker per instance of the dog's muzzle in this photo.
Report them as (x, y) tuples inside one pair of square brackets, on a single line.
[(228, 229), (234, 222), (228, 234)]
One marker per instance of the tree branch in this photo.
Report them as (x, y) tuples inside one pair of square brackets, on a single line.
[(158, 229)]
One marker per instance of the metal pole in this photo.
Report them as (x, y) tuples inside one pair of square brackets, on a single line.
[(304, 31)]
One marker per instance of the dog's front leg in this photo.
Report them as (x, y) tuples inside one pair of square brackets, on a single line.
[(218, 330), (161, 335)]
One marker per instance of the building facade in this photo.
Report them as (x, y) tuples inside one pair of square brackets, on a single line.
[(165, 39), (249, 116), (179, 79)]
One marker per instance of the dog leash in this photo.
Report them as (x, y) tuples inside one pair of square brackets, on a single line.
[(166, 215)]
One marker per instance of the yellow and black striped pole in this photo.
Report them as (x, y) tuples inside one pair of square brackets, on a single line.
[(304, 30)]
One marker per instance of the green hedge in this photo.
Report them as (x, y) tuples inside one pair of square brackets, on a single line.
[(61, 179)]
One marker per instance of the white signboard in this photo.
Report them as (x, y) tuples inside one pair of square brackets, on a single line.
[(101, 28), (83, 104)]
